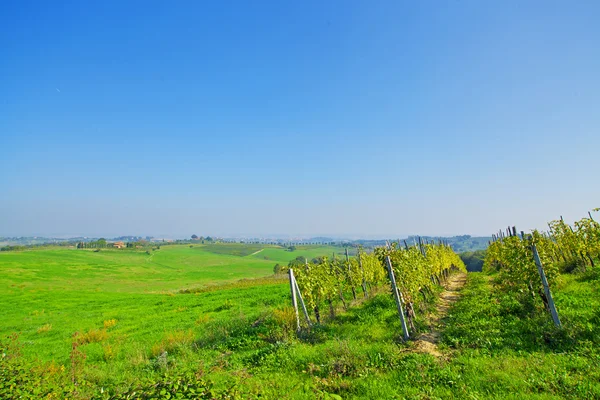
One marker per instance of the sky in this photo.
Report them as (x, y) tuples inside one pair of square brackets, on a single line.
[(370, 119)]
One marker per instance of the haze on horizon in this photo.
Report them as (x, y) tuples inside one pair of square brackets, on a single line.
[(343, 118)]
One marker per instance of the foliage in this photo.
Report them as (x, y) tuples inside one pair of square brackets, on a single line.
[(562, 248), (328, 281), (237, 339), (473, 260)]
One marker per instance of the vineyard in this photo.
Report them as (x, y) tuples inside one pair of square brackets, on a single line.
[(412, 272), (119, 324), (529, 264)]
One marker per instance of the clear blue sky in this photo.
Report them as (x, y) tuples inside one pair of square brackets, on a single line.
[(305, 117)]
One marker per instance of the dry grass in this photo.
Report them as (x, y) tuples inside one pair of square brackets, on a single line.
[(109, 351), (109, 323), (92, 336), (203, 319), (44, 328), (172, 341)]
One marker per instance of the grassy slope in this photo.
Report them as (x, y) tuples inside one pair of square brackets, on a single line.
[(494, 347), (77, 290)]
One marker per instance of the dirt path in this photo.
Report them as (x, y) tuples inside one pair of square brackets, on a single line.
[(256, 252), (427, 342)]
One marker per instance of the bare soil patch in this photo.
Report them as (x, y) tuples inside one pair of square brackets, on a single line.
[(427, 342)]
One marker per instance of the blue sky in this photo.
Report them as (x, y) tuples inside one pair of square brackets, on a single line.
[(340, 117)]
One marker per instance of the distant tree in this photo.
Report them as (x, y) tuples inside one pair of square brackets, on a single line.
[(194, 237), (292, 248), (473, 260), (297, 262)]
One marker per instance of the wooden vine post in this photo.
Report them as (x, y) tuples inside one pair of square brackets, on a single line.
[(294, 300), (302, 303), (540, 268), (349, 275), (397, 298), (362, 271)]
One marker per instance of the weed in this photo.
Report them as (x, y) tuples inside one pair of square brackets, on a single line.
[(173, 341), (109, 351), (109, 323), (91, 336), (202, 319), (227, 305), (77, 358)]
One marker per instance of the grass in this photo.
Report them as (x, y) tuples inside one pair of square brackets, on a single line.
[(235, 249), (50, 294), (168, 269), (239, 337)]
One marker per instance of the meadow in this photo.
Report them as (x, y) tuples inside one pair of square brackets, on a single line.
[(216, 320), (74, 290)]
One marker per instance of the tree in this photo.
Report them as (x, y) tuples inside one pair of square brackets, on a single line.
[(297, 262), (194, 237), (277, 269)]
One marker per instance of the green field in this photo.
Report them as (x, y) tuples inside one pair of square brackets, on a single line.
[(137, 323), (76, 290)]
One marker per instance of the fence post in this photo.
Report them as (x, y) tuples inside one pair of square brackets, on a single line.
[(294, 301), (397, 298), (540, 268)]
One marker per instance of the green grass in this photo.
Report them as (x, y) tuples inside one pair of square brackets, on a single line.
[(240, 335), (235, 249), (76, 290), (169, 269)]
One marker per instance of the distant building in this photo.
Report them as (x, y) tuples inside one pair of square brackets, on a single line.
[(119, 245)]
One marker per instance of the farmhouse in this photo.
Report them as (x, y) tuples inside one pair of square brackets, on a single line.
[(119, 245)]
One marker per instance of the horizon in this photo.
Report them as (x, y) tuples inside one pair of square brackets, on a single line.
[(346, 118)]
